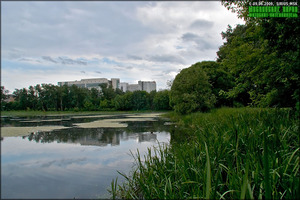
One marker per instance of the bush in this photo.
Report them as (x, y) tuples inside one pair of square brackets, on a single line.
[(191, 91)]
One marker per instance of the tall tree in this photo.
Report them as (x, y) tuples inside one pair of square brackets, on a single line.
[(4, 93), (161, 100), (263, 55), (191, 91)]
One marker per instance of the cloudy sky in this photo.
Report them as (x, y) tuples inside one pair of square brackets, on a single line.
[(48, 42)]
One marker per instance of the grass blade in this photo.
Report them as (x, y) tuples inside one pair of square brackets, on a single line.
[(208, 174), (245, 181), (266, 167)]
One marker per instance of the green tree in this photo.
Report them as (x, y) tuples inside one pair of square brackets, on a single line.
[(161, 100), (50, 97), (140, 100), (4, 93), (264, 57), (220, 80), (95, 97), (124, 102), (32, 98), (191, 91), (108, 92), (150, 102), (21, 96)]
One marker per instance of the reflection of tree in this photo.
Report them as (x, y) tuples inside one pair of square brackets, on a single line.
[(102, 136), (147, 126), (179, 134), (147, 137)]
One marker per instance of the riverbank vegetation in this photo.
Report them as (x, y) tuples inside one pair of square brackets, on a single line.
[(229, 153)]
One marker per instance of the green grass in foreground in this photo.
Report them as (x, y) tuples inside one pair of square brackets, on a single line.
[(245, 153)]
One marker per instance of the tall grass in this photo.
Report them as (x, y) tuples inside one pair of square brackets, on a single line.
[(241, 153)]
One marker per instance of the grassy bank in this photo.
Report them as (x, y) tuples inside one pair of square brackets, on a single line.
[(226, 154), (24, 113)]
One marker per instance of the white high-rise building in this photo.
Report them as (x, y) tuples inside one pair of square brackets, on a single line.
[(133, 87), (86, 83), (123, 86), (115, 82), (147, 86)]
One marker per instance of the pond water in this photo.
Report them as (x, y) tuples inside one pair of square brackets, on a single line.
[(72, 161)]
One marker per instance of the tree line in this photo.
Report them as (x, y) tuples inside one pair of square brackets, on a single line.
[(48, 97)]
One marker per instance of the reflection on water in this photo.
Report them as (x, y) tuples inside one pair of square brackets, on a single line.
[(94, 137), (73, 162)]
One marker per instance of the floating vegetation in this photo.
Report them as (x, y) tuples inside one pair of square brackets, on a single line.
[(111, 123), (45, 120), (147, 115), (92, 116), (101, 124), (131, 120), (23, 131)]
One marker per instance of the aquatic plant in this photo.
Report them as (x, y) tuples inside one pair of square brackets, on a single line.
[(245, 153)]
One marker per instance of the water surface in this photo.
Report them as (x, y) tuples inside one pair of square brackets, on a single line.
[(72, 162)]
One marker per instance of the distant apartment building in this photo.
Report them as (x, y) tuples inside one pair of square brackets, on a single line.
[(86, 83), (147, 86), (133, 87), (123, 86), (115, 83)]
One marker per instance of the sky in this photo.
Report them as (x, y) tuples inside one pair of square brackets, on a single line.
[(50, 42)]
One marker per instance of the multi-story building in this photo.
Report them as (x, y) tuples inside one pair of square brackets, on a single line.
[(115, 83), (133, 87), (86, 83), (147, 86), (123, 86)]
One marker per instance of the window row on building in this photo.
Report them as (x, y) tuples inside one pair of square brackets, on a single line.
[(147, 86)]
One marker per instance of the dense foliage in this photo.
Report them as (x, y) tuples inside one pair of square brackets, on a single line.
[(191, 91), (201, 87), (48, 97), (230, 153), (263, 56), (258, 65)]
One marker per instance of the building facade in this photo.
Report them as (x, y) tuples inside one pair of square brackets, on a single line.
[(115, 83), (147, 86), (86, 83), (133, 87), (123, 86)]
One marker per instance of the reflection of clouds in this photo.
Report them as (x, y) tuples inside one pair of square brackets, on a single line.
[(64, 162), (69, 168), (48, 163), (123, 162), (26, 147)]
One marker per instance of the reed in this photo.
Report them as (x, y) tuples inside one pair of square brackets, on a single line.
[(245, 153)]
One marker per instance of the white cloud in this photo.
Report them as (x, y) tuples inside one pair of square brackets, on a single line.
[(55, 41)]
